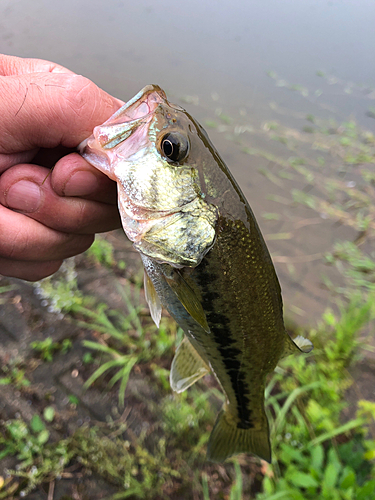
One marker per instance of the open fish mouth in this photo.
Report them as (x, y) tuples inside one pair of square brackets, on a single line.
[(132, 119), (128, 149)]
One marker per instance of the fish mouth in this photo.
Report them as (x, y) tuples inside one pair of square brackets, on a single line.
[(131, 119), (140, 106)]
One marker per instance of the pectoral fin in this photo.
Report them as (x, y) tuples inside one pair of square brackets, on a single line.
[(188, 299), (299, 344), (187, 367), (152, 299)]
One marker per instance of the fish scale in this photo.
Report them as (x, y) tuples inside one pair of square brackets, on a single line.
[(225, 276)]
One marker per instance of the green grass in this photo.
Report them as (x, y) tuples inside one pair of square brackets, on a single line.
[(316, 455), (47, 348)]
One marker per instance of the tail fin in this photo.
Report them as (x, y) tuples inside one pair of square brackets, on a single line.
[(227, 439)]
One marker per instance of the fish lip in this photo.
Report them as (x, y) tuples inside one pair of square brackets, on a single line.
[(151, 95), (138, 109)]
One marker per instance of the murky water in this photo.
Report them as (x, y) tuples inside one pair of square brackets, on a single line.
[(245, 69)]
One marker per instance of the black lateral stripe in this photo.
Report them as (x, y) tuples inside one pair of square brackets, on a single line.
[(220, 327)]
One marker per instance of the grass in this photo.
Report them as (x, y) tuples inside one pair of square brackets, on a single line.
[(313, 458), (316, 454)]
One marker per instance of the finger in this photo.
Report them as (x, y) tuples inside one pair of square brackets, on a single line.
[(50, 109), (10, 65), (74, 176), (28, 270), (27, 189), (23, 238), (8, 160)]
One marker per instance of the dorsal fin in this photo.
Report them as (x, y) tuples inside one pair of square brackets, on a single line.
[(152, 299), (187, 367)]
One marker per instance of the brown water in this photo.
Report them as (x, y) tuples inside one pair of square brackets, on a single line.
[(213, 57)]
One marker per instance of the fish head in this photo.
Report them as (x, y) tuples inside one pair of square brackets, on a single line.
[(153, 150)]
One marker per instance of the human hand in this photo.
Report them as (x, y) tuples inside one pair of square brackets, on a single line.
[(47, 218)]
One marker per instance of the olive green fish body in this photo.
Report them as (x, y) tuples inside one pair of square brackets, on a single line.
[(241, 330), (205, 260)]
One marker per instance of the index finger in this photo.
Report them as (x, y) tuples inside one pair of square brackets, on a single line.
[(11, 65), (50, 109)]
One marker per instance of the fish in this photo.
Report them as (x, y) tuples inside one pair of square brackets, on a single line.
[(205, 260)]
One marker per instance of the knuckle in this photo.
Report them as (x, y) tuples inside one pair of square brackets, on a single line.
[(14, 245), (80, 91), (77, 222), (87, 101)]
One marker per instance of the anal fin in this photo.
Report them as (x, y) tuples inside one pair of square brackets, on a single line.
[(152, 299), (187, 367)]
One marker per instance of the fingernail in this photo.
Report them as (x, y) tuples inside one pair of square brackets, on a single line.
[(81, 183), (24, 196)]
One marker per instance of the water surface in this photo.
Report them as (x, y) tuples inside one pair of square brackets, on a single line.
[(233, 64)]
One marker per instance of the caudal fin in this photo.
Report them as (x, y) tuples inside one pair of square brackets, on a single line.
[(227, 439)]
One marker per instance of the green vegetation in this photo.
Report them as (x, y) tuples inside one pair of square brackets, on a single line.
[(101, 252), (15, 376), (38, 461), (47, 347), (316, 454)]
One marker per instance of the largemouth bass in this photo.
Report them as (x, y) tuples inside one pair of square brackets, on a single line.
[(205, 260)]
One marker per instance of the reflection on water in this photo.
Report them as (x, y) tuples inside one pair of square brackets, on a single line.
[(277, 80), (197, 45)]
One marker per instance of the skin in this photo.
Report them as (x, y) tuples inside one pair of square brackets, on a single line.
[(46, 217)]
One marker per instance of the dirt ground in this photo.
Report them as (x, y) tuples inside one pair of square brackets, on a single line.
[(23, 319)]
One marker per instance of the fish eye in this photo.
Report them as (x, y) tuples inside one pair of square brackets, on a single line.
[(175, 146)]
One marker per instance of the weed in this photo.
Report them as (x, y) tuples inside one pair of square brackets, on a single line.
[(14, 375), (125, 342), (122, 363), (271, 216), (211, 124), (38, 461), (308, 129), (270, 126), (310, 461), (101, 252), (279, 138), (236, 490), (357, 266), (60, 291), (47, 347)]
